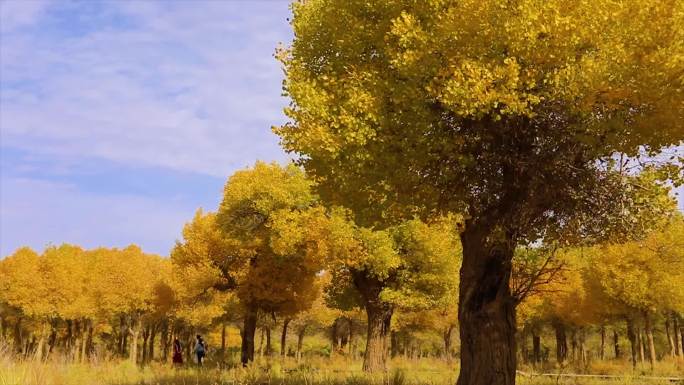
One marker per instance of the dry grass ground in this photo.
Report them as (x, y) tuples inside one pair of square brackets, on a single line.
[(314, 371)]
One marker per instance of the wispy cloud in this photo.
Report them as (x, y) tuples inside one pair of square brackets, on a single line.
[(119, 118), (185, 85)]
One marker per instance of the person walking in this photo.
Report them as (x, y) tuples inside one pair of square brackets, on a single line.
[(200, 350), (177, 353)]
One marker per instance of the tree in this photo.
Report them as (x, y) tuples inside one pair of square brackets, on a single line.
[(508, 113), (409, 266), (243, 248)]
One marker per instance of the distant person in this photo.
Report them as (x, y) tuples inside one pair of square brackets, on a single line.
[(200, 350), (177, 352)]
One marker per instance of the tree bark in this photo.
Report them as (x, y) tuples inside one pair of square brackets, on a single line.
[(18, 336), (223, 340), (379, 318), (648, 328), (248, 331), (631, 335), (269, 347), (536, 348), (300, 342), (668, 334), (616, 343), (447, 343), (153, 335), (135, 335), (602, 350), (561, 342), (678, 340), (486, 311), (641, 342), (283, 338)]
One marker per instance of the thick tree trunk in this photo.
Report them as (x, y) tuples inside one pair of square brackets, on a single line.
[(648, 328), (561, 342), (283, 338), (248, 331), (536, 348), (379, 319), (379, 315), (486, 311), (616, 343)]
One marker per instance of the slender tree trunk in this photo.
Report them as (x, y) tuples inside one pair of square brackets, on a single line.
[(602, 350), (648, 328), (269, 347), (300, 342), (165, 340), (89, 340), (223, 340), (84, 339), (486, 311), (668, 334), (248, 331), (536, 348), (153, 336), (18, 336), (39, 354), (283, 338), (631, 335), (582, 349), (678, 340), (561, 342), (640, 340), (350, 338), (524, 352), (616, 343), (447, 343), (145, 338), (135, 335)]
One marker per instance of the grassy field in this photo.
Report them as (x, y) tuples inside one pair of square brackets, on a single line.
[(315, 371)]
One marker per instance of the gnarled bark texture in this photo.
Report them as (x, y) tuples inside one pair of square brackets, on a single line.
[(486, 311), (379, 319)]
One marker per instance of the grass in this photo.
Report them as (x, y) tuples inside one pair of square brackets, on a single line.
[(314, 371)]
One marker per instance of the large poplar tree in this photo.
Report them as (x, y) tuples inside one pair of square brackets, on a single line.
[(509, 112)]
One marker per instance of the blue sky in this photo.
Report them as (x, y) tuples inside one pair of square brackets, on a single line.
[(119, 119)]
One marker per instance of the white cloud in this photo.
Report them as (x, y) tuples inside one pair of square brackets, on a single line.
[(190, 86), (45, 212), (17, 13)]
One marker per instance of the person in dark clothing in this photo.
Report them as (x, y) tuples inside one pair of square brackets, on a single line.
[(200, 350), (177, 352)]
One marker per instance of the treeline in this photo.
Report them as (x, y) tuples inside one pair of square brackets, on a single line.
[(273, 258)]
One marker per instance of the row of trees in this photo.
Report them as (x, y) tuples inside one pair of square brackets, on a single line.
[(272, 257)]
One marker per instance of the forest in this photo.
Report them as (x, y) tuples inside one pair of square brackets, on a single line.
[(271, 268), (478, 192)]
